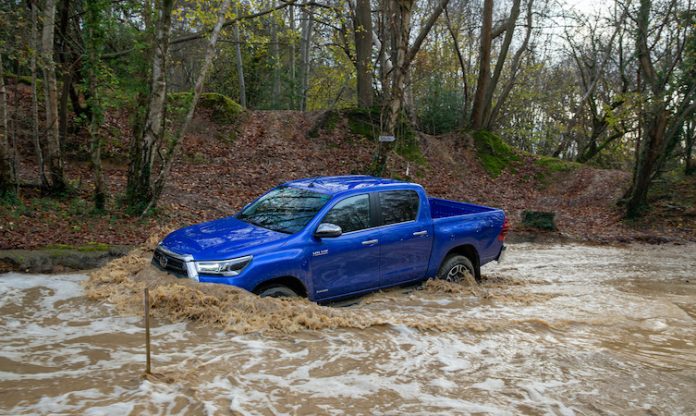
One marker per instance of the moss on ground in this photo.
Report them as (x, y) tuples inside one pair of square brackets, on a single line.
[(84, 248), (550, 165), (494, 154), (225, 109), (326, 123), (553, 165)]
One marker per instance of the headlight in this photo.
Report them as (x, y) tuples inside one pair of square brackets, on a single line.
[(230, 267)]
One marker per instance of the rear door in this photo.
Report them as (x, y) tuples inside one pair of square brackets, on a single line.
[(348, 263), (406, 242)]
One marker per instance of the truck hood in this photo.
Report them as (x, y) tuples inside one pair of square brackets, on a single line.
[(220, 239)]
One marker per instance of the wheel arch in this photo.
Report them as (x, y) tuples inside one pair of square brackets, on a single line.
[(468, 251), (290, 281)]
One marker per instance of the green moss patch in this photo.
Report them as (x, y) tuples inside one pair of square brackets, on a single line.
[(85, 248), (326, 123), (225, 109), (494, 154), (553, 165)]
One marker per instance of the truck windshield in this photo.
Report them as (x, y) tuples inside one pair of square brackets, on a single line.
[(286, 210)]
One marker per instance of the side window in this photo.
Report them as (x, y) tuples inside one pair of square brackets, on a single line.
[(351, 214), (398, 206)]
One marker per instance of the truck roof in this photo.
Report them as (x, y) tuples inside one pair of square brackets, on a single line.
[(337, 184)]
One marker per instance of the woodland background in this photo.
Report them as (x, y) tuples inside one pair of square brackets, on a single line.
[(121, 116)]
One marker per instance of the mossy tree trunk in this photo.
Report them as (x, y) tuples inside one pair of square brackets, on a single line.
[(43, 180), (362, 28), (689, 167), (484, 74), (399, 22), (139, 189), (53, 146), (662, 117), (94, 39), (7, 179), (174, 148)]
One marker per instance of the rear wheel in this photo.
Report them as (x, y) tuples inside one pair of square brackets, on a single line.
[(455, 269), (276, 291)]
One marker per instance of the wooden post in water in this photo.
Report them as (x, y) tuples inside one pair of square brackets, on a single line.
[(147, 332)]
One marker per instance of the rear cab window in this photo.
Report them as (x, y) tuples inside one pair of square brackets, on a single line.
[(398, 206)]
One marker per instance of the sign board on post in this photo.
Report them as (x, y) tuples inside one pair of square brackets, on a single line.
[(386, 139)]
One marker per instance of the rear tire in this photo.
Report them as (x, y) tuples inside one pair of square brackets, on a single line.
[(276, 291), (455, 268)]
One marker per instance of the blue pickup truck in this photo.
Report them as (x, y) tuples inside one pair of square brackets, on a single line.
[(334, 237)]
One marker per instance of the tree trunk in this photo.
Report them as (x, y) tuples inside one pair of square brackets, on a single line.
[(93, 19), (460, 58), (306, 46), (293, 53), (198, 89), (7, 179), (275, 52), (646, 164), (689, 168), (53, 146), (43, 180), (484, 76), (661, 118), (362, 27), (240, 62), (399, 19), (139, 192), (500, 62), (65, 68)]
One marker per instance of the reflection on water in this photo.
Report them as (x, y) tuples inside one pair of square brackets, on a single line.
[(568, 329)]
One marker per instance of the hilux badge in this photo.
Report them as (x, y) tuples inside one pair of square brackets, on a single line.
[(163, 261)]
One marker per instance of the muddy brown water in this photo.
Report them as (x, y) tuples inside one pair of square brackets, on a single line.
[(556, 329)]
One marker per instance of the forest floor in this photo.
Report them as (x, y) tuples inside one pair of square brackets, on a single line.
[(224, 166)]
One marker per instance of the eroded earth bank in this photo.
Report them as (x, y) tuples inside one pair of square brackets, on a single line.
[(560, 329)]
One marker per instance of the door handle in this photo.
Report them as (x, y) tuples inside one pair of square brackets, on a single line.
[(417, 233), (370, 242)]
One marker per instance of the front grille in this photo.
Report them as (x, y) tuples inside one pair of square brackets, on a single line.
[(168, 262)]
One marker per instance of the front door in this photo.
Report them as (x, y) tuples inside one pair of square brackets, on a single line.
[(348, 263)]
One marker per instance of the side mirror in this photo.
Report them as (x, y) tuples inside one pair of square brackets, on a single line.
[(328, 230)]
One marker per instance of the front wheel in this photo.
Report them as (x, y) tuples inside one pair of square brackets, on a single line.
[(455, 269), (276, 291)]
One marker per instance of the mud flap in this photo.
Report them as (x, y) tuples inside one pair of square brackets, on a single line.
[(501, 255)]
